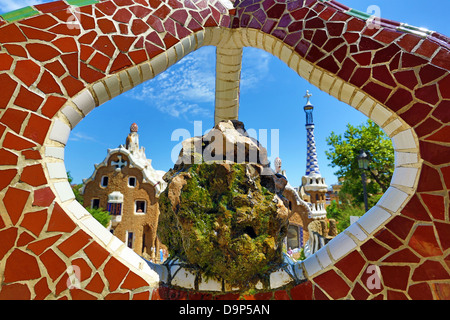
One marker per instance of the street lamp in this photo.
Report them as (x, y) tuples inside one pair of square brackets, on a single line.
[(363, 164)]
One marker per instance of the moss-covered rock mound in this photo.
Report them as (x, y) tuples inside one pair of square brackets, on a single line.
[(221, 219)]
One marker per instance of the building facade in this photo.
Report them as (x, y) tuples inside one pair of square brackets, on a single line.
[(126, 185)]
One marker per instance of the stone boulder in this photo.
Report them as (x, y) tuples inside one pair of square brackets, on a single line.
[(224, 218)]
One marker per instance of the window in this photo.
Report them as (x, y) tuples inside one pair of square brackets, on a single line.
[(130, 239), (104, 182), (115, 209), (95, 203), (295, 237), (132, 182), (140, 206)]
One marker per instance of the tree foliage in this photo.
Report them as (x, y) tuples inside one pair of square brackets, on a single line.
[(343, 153)]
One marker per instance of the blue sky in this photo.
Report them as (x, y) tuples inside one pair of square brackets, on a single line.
[(271, 99)]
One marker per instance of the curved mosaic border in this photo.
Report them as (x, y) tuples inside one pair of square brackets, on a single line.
[(396, 75)]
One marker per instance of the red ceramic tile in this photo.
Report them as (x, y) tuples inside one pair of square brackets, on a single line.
[(399, 99), (415, 114), (6, 177), (51, 7), (395, 277), (33, 175), (8, 237), (66, 44), (387, 36), (281, 295), (41, 52), (41, 289), (139, 27), (396, 295), (359, 293), (31, 155), (104, 44), (27, 71), (435, 205), (162, 12), (24, 239), (373, 251), (88, 74), (43, 197), (434, 153), (443, 231), (96, 285), (11, 33), (40, 21), (156, 23), (441, 59), (302, 291), (8, 88), (420, 291), (7, 158), (15, 291), (5, 61), (74, 243), (72, 86), (429, 180), (100, 61), (333, 284), (377, 91), (429, 271), (141, 296), (35, 221), (428, 94), (16, 50), (121, 62), (360, 76), (54, 264), (87, 22), (36, 34), (14, 118), (197, 296), (133, 281), (60, 221), (415, 210), (71, 62), (48, 84), (351, 265), (21, 266), (28, 99), (383, 74), (441, 290), (408, 42), (400, 226), (402, 256), (78, 294), (15, 142), (56, 68), (39, 246), (442, 135), (14, 201), (140, 11), (52, 106), (407, 78), (85, 269), (138, 56), (114, 272), (118, 296), (423, 241), (123, 43), (37, 128)]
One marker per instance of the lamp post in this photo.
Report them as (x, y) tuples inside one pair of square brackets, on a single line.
[(363, 164)]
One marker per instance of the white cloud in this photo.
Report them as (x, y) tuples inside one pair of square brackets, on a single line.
[(185, 88), (11, 5), (80, 136)]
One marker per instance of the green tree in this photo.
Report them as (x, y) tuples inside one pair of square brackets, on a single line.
[(343, 153), (101, 215)]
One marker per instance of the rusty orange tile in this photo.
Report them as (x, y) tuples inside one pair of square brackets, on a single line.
[(14, 201), (35, 221), (33, 175), (21, 266), (60, 221), (74, 243)]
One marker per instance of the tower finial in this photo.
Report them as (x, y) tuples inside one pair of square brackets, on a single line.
[(307, 96)]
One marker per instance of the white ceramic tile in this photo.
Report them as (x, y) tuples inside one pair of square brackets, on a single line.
[(125, 81), (73, 116), (200, 37), (404, 176), (131, 257), (404, 140), (77, 210), (402, 158), (392, 126), (380, 114), (184, 279), (101, 93), (326, 82), (146, 71), (304, 69), (366, 106), (64, 191), (54, 152), (134, 75), (372, 219), (336, 89), (115, 243), (60, 132), (56, 170), (285, 54), (113, 85), (323, 257), (85, 102), (279, 278), (356, 231), (314, 79), (159, 64), (340, 245), (97, 229), (359, 96), (298, 271), (312, 265), (392, 199), (347, 93)]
